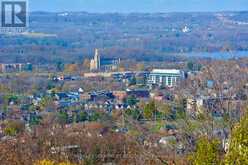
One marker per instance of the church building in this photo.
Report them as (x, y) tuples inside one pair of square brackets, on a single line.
[(103, 64)]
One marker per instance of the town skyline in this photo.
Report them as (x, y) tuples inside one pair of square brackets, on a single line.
[(147, 82)]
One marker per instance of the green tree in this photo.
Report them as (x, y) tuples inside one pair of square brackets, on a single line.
[(13, 127), (82, 116), (131, 100), (60, 66), (134, 113), (238, 151), (62, 118), (10, 131), (35, 120), (132, 81), (190, 65), (10, 98), (207, 152), (180, 113), (150, 110), (164, 108), (95, 116), (45, 101)]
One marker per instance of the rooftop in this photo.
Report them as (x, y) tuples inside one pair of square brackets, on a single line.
[(166, 71)]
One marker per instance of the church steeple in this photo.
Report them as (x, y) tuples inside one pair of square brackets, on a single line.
[(95, 63), (97, 59)]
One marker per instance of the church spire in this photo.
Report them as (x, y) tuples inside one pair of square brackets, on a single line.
[(97, 59)]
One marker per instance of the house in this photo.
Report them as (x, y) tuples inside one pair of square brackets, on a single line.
[(72, 96), (120, 95), (138, 93), (85, 96), (101, 96), (61, 96), (157, 96), (64, 150), (64, 103), (194, 106), (168, 141), (2, 127), (172, 142), (121, 106), (80, 90)]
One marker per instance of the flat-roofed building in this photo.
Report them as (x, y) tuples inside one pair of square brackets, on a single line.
[(5, 68), (165, 77)]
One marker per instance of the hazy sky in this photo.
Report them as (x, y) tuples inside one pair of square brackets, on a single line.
[(138, 5)]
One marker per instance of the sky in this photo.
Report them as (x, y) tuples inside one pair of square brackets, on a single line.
[(126, 6)]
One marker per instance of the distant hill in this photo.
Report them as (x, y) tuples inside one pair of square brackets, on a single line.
[(71, 36)]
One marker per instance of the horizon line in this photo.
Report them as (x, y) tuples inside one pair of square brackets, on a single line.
[(138, 12)]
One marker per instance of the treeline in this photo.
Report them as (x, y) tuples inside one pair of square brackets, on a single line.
[(92, 143)]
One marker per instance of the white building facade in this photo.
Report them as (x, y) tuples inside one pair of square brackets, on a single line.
[(165, 77)]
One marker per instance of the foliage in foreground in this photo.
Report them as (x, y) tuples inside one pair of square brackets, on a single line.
[(49, 162), (238, 151), (207, 152)]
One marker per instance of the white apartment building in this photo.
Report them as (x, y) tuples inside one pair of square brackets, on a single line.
[(165, 77)]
